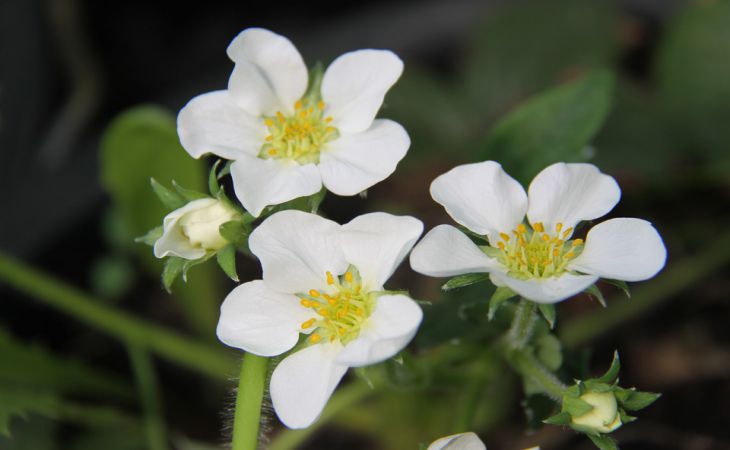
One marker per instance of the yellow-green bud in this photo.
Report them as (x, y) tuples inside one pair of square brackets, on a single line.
[(604, 417), (201, 226)]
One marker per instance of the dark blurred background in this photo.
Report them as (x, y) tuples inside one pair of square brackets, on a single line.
[(68, 68)]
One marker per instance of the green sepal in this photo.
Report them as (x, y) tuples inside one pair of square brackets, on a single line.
[(188, 194), (479, 237), (621, 285), (611, 375), (226, 258), (575, 406), (313, 94), (548, 312), (464, 280), (501, 295), (151, 236), (362, 373), (316, 200), (490, 251), (190, 263), (633, 400), (597, 386), (169, 198), (173, 268), (234, 232), (213, 186), (625, 418), (593, 291), (603, 442), (562, 418)]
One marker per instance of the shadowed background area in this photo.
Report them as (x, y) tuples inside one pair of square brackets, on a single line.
[(77, 151)]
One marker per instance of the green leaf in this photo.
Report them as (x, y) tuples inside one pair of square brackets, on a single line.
[(234, 231), (633, 400), (611, 374), (170, 199), (596, 293), (227, 261), (562, 418), (173, 268), (549, 351), (151, 236), (501, 295), (188, 194), (464, 280), (19, 402), (575, 406), (603, 442), (621, 285), (548, 312), (555, 126)]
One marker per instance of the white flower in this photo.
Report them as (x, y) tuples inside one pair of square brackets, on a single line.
[(461, 441), (540, 262), (193, 230), (284, 148), (324, 280)]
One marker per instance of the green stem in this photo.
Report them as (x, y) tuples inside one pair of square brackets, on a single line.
[(525, 363), (125, 327), (149, 395), (675, 279), (523, 323), (251, 386)]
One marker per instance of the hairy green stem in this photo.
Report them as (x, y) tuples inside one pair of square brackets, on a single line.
[(523, 323), (251, 386), (525, 363), (676, 278), (149, 395), (202, 358)]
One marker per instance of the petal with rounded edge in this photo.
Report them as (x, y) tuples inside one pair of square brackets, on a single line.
[(547, 290), (387, 331), (482, 197), (303, 382), (569, 193), (446, 251), (354, 85), (296, 250), (213, 123), (356, 161), (622, 249), (260, 321), (461, 441), (269, 75), (173, 241), (259, 183), (376, 243)]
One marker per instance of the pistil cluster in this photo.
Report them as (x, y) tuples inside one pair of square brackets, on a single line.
[(536, 253), (298, 137), (341, 310)]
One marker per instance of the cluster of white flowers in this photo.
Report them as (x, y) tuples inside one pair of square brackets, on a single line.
[(321, 301)]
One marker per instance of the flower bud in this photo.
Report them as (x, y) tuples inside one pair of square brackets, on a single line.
[(604, 417), (193, 230)]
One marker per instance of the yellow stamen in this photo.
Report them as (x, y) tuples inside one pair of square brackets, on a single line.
[(269, 122), (298, 104), (567, 232), (558, 227), (348, 277), (306, 303), (504, 236), (307, 324), (320, 105), (539, 227), (577, 242), (521, 228), (315, 338), (313, 293), (330, 278)]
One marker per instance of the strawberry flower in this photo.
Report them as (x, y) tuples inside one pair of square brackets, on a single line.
[(539, 260)]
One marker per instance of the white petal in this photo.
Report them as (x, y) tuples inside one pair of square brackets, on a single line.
[(355, 84), (269, 75), (482, 197), (213, 123), (446, 251), (547, 290), (262, 182), (296, 250), (622, 249), (356, 161), (461, 441), (260, 321), (376, 244), (303, 382), (387, 331), (569, 193), (173, 241)]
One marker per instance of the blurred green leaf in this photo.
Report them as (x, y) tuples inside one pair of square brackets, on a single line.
[(20, 402), (36, 433), (111, 277), (171, 200), (138, 145), (173, 268), (549, 351), (555, 126)]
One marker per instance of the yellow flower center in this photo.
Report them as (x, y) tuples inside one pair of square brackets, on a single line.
[(536, 253), (299, 137), (340, 311)]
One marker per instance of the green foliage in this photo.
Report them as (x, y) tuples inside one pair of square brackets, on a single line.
[(633, 400), (171, 199), (596, 293), (18, 402), (603, 442), (555, 126), (464, 280), (226, 258)]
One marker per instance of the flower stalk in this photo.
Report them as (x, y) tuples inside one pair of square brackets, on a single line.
[(523, 324), (249, 398)]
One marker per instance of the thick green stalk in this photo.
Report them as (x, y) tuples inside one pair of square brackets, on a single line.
[(524, 362), (523, 324), (125, 327), (149, 395), (251, 386)]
